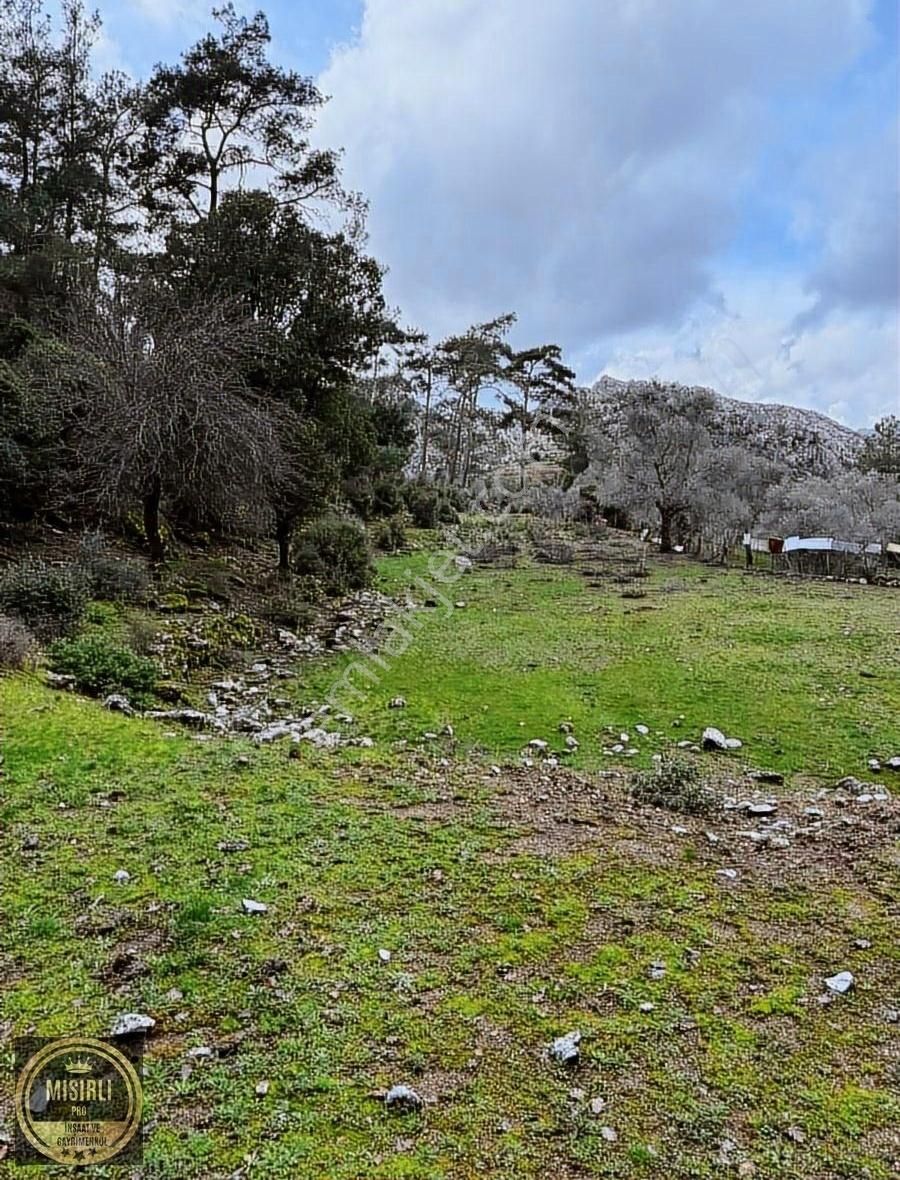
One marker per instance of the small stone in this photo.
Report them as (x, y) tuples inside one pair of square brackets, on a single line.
[(598, 1105), (643, 730), (537, 744), (814, 812), (893, 763), (609, 1134), (841, 983), (571, 743), (116, 703), (734, 743), (711, 837), (657, 970), (254, 907), (647, 1007), (31, 842), (564, 1050), (174, 995), (713, 739), (796, 1134), (398, 703), (447, 731), (624, 737), (727, 874), (402, 1099), (496, 771), (762, 808), (200, 1051), (384, 955), (771, 778), (862, 944), (262, 1089), (130, 1023), (565, 727), (121, 876)]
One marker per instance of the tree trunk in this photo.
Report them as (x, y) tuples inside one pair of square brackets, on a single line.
[(283, 531), (665, 527), (426, 425), (151, 522)]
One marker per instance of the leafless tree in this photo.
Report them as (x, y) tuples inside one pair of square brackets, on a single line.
[(160, 408)]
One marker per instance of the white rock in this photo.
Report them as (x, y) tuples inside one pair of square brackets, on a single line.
[(713, 739), (571, 743), (762, 808), (643, 730), (398, 703), (647, 1006), (262, 1089), (727, 874), (733, 743), (402, 1098), (384, 955), (609, 1134), (537, 744), (841, 983), (121, 876), (254, 907), (598, 1105), (565, 1049), (130, 1023)]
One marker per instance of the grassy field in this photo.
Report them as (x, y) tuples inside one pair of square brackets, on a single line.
[(516, 907)]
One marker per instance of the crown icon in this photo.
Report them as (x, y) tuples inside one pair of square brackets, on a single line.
[(79, 1066)]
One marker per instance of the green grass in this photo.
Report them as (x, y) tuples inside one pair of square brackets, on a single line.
[(495, 951), (772, 662)]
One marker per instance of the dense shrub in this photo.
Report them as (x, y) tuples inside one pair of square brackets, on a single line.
[(111, 578), (51, 600), (335, 551), (100, 665), (390, 535), (675, 784), (17, 645), (430, 506)]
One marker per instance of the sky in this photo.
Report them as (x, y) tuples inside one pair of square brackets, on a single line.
[(691, 190)]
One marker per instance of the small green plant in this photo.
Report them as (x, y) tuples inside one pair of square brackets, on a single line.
[(335, 550), (17, 645), (101, 666), (50, 600), (675, 784)]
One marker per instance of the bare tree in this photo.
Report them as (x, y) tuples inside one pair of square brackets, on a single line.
[(160, 406)]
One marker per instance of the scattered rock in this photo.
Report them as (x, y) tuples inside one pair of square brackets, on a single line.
[(59, 681), (862, 944), (762, 808), (384, 955), (647, 1007), (250, 906), (538, 745), (130, 1023), (714, 739), (893, 763), (262, 1089), (773, 778), (571, 743), (402, 1099), (200, 1052), (192, 718), (598, 1105), (841, 983), (610, 1134), (116, 703), (734, 743), (233, 845), (121, 876), (31, 842), (565, 1051), (643, 730), (727, 874), (397, 703)]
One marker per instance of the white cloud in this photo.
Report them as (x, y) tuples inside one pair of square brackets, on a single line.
[(576, 161), (844, 365), (584, 164)]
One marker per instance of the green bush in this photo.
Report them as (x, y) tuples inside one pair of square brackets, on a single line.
[(50, 600), (675, 784), (335, 551), (102, 666), (17, 645), (111, 578), (430, 506), (390, 535)]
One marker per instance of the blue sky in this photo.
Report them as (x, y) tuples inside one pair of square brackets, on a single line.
[(699, 191)]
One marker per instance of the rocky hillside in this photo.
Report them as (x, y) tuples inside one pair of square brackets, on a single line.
[(803, 439)]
